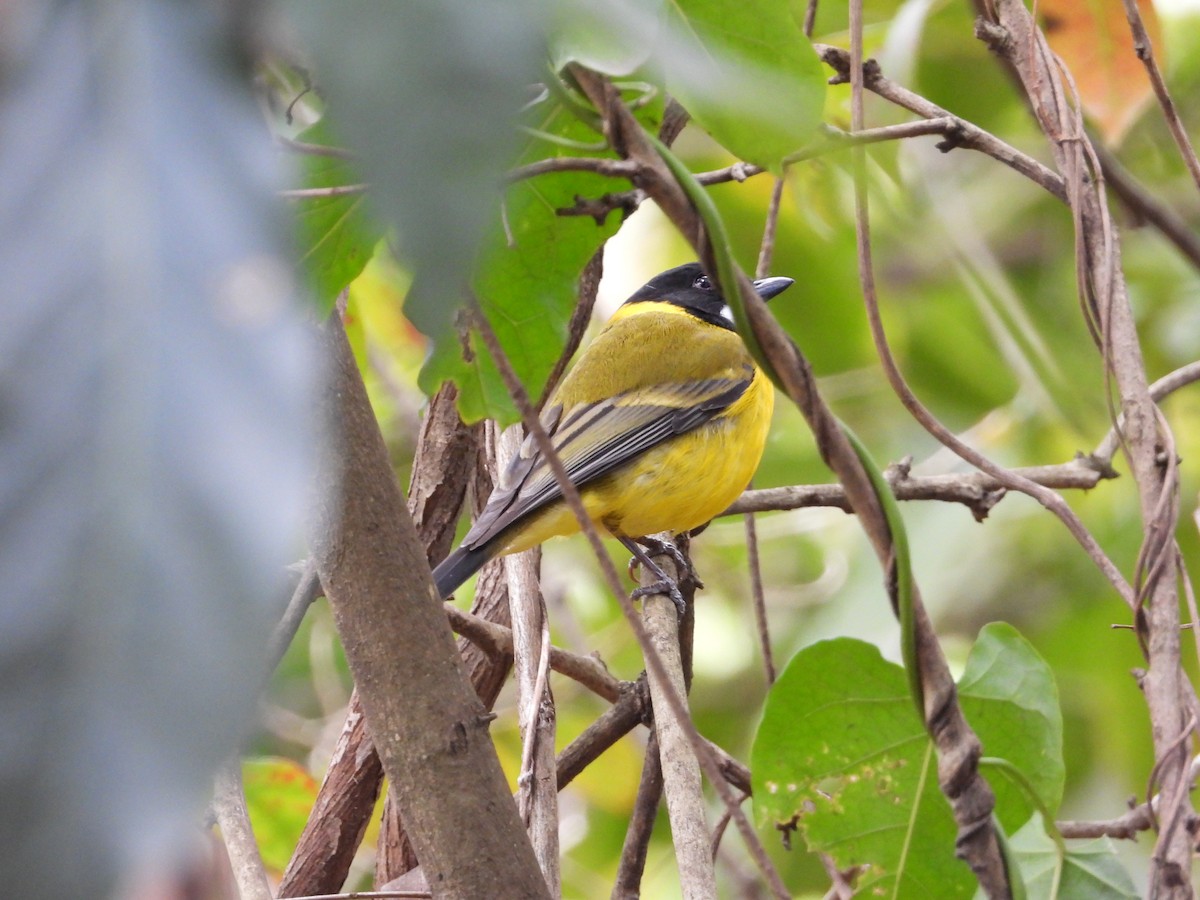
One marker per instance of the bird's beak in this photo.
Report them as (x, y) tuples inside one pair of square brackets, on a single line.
[(769, 287)]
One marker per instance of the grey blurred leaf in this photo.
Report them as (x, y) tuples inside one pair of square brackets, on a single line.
[(426, 93), (154, 375), (610, 36)]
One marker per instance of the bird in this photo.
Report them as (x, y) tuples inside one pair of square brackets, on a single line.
[(660, 424)]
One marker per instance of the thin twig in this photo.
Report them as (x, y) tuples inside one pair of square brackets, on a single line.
[(631, 709), (496, 639), (960, 134), (589, 286), (761, 624), (720, 828), (627, 885), (1145, 52), (762, 269), (1124, 827), (978, 491), (314, 149), (810, 17), (229, 805), (308, 589), (341, 190), (612, 168), (1149, 208)]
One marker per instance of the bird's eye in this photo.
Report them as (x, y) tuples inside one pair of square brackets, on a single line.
[(702, 283)]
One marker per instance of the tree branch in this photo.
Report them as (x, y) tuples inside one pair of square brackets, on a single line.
[(978, 491), (959, 132), (628, 883), (495, 639), (678, 760), (432, 737), (1010, 31), (229, 805)]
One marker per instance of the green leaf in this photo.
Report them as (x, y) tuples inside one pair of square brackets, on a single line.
[(279, 796), (1090, 871), (842, 756), (1009, 696), (527, 287), (746, 73), (336, 235)]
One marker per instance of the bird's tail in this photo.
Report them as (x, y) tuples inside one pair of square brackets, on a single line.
[(458, 567)]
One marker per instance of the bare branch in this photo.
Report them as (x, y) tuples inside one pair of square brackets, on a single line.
[(341, 190), (628, 883), (229, 805), (433, 743), (1011, 32), (612, 168), (1124, 827), (314, 149), (497, 640), (1145, 52), (631, 709), (680, 767), (960, 132), (978, 491)]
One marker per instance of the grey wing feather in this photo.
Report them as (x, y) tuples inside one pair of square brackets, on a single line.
[(593, 440)]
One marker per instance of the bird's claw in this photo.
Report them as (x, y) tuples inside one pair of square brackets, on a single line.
[(687, 572), (667, 587)]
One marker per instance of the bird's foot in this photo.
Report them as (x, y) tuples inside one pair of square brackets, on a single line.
[(687, 572), (665, 586)]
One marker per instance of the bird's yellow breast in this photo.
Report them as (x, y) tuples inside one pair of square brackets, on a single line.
[(686, 480)]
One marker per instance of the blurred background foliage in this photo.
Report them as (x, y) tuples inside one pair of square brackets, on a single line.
[(976, 274)]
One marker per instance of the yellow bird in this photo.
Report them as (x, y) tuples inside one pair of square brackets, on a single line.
[(660, 424)]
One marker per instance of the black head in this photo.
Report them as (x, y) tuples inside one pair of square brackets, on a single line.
[(688, 287)]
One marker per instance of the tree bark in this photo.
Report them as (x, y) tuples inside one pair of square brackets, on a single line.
[(426, 721)]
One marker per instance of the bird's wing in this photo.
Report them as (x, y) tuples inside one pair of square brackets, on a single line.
[(594, 439)]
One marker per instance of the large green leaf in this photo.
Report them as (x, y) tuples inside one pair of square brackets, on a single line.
[(337, 237), (1089, 871), (527, 274), (842, 756), (746, 73), (1009, 696)]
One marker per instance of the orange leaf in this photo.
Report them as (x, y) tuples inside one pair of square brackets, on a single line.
[(1093, 38)]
